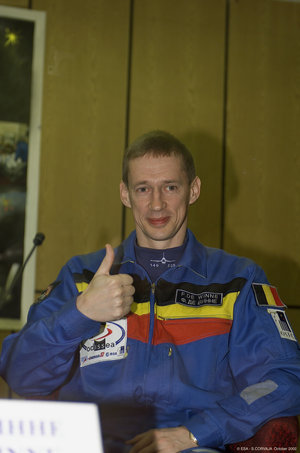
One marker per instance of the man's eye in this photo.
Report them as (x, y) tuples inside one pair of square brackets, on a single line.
[(171, 188), (141, 189)]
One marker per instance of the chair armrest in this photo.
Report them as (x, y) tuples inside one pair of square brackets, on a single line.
[(280, 432)]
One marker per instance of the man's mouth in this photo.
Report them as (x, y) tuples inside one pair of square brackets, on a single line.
[(161, 221)]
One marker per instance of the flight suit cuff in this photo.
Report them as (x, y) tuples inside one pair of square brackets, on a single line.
[(75, 324), (207, 433)]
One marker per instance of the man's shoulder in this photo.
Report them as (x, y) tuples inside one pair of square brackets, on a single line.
[(221, 254), (225, 263), (92, 260), (89, 261)]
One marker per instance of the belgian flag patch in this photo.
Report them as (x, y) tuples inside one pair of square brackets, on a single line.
[(267, 295)]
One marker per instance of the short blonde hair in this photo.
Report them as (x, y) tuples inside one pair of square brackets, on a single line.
[(158, 143)]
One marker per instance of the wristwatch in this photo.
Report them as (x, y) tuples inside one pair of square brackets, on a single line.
[(193, 438)]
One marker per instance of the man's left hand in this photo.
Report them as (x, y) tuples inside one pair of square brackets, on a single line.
[(166, 440)]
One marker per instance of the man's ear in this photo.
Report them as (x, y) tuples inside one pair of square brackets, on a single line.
[(195, 190), (124, 195)]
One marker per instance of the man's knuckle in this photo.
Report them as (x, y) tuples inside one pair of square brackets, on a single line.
[(117, 291), (110, 284), (118, 312)]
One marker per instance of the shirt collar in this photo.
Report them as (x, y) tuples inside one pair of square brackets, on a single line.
[(194, 256)]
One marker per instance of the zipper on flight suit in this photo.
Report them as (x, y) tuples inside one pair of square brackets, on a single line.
[(152, 313)]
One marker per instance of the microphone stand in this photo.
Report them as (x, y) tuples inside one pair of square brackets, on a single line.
[(7, 297)]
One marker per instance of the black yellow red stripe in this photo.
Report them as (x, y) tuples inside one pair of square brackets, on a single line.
[(175, 322), (180, 324)]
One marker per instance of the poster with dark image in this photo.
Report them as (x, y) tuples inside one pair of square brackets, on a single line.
[(16, 44)]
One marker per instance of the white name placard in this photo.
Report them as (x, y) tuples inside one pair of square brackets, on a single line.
[(49, 427)]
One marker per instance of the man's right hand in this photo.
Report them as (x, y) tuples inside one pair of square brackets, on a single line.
[(107, 297)]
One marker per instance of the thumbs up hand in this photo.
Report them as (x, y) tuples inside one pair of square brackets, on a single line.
[(107, 297)]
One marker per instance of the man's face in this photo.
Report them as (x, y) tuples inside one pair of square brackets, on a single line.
[(159, 194)]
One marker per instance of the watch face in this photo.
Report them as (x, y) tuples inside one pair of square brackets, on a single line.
[(193, 438)]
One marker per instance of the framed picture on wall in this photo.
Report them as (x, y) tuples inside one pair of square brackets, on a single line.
[(22, 41)]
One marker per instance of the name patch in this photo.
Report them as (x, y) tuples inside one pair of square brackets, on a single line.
[(198, 300)]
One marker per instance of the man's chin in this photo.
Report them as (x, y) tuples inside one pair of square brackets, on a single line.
[(157, 238)]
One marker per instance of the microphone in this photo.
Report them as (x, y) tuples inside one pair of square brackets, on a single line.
[(7, 296), (38, 239)]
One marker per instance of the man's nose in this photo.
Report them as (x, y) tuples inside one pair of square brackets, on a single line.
[(157, 201)]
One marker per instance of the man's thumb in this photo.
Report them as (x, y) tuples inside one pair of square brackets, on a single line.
[(107, 262)]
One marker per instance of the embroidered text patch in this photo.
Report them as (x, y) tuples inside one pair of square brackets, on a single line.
[(198, 300)]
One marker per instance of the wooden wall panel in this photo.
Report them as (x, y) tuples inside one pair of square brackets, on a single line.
[(15, 3), (83, 131), (263, 137), (177, 85)]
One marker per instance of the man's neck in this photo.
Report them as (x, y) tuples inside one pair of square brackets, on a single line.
[(161, 244), (158, 261)]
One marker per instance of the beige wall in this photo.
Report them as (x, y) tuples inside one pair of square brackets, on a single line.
[(262, 191), (83, 128), (177, 65), (177, 85)]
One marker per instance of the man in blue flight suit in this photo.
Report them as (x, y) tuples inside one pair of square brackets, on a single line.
[(179, 344)]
